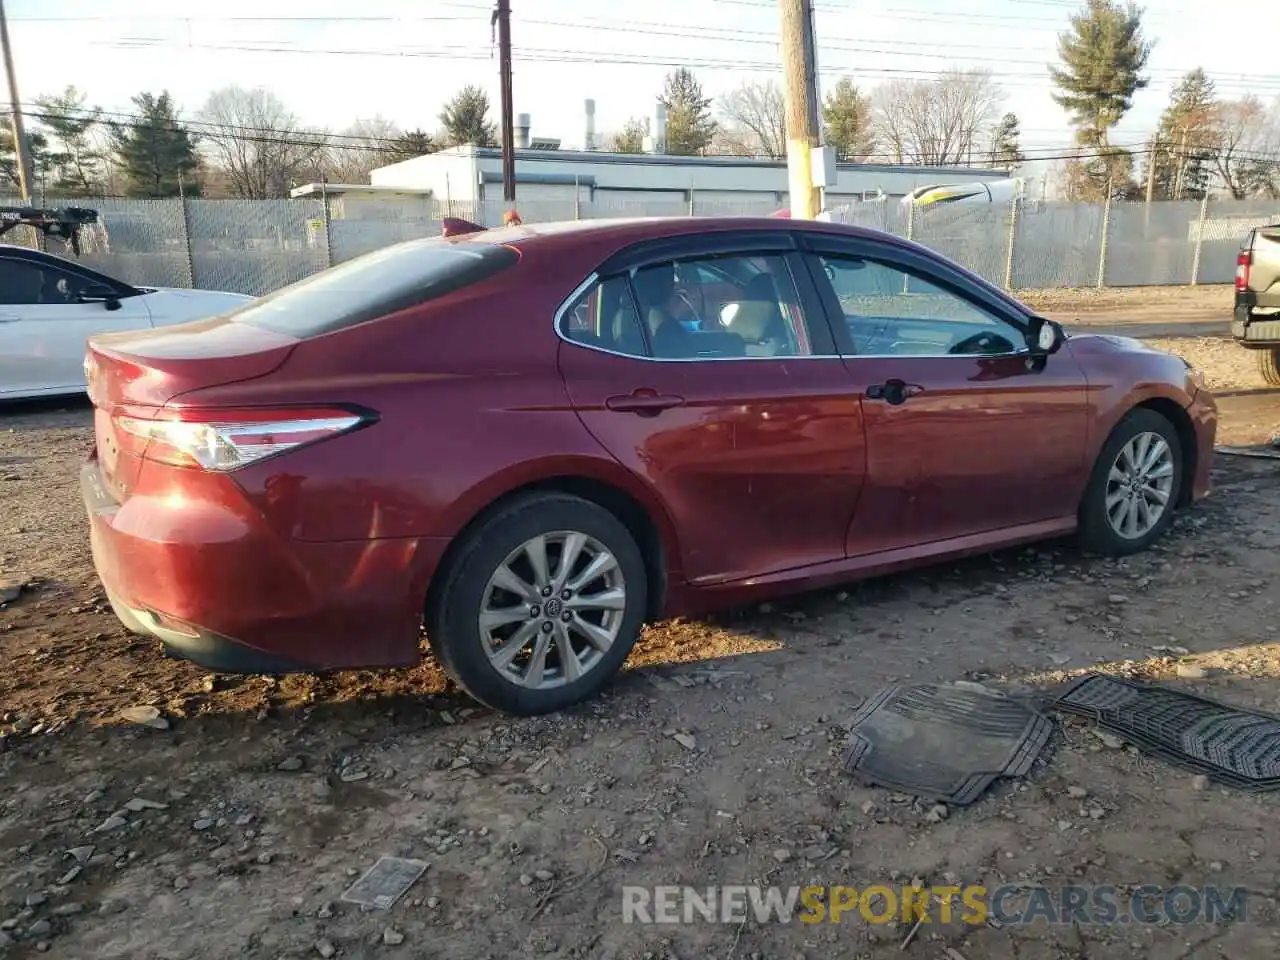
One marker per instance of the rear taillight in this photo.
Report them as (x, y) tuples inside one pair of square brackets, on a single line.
[(1243, 263), (225, 440)]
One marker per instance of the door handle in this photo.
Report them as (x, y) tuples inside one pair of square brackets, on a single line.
[(644, 403), (894, 391)]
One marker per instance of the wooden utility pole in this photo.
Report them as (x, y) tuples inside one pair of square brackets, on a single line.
[(502, 16), (800, 86), (20, 146)]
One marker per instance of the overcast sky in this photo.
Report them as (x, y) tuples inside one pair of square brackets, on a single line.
[(333, 62)]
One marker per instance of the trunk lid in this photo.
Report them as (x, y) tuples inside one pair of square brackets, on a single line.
[(1264, 271), (136, 373)]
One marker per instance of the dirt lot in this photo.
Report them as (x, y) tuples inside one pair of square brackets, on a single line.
[(267, 797)]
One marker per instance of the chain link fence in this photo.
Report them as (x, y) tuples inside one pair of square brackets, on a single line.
[(256, 246)]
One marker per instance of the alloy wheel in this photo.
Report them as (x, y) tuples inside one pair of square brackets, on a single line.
[(552, 609), (1139, 485)]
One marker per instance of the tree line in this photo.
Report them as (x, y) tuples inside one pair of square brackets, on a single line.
[(247, 143)]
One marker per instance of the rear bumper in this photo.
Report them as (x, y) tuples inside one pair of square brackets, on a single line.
[(1256, 320), (216, 584), (1204, 421)]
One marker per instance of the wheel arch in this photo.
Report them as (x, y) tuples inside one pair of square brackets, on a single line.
[(636, 508), (1177, 415)]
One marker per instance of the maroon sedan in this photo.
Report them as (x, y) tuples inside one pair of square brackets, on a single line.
[(532, 440)]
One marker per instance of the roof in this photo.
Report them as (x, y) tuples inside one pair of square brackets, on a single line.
[(337, 189), (717, 162)]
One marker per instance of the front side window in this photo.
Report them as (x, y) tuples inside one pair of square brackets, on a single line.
[(890, 311)]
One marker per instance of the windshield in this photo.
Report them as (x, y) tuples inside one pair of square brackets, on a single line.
[(375, 285)]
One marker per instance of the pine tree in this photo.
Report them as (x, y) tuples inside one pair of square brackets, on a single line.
[(630, 139), (1185, 139), (690, 127), (1006, 150), (157, 154), (37, 146), (465, 119), (846, 114), (1103, 55), (76, 165), (414, 143)]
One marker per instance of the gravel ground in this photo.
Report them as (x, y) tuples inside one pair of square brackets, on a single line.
[(716, 758)]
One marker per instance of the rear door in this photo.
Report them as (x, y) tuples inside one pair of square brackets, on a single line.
[(965, 434), (758, 458), (44, 326)]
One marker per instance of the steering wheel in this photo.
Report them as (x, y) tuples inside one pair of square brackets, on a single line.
[(984, 342)]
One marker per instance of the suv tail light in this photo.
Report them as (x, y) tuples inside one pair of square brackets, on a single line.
[(1243, 263), (225, 440)]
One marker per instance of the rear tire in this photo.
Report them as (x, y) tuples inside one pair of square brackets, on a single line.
[(1269, 365), (521, 633), (1136, 481)]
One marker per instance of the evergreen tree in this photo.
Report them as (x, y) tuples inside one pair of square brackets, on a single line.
[(631, 138), (156, 153), (37, 145), (465, 119), (1103, 55), (76, 165), (846, 115), (690, 127), (1185, 140), (415, 143), (1006, 150)]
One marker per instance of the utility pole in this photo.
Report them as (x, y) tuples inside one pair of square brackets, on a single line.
[(800, 86), (502, 16), (20, 150), (1182, 167)]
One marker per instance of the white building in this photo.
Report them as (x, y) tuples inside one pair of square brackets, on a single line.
[(469, 175)]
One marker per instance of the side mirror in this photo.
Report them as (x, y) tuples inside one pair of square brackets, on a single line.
[(1044, 336), (102, 294)]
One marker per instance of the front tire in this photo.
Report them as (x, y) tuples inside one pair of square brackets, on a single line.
[(1135, 485), (1269, 365), (542, 605)]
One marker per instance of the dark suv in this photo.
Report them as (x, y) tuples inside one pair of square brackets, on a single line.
[(1256, 323)]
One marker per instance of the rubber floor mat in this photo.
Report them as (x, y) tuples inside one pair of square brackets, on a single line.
[(1237, 747), (944, 742)]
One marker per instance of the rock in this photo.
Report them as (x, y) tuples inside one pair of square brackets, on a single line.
[(291, 764), (145, 716), (1060, 658), (1072, 617), (325, 949), (36, 899), (41, 928), (204, 823), (108, 907), (782, 854), (1109, 740), (1200, 782), (68, 909), (526, 879), (1077, 793), (543, 875), (10, 589), (685, 741), (325, 911), (113, 822), (70, 875), (1190, 671), (1117, 599), (1215, 867), (138, 804), (81, 854), (354, 776), (1096, 813), (937, 813), (6, 941), (392, 937), (868, 807)]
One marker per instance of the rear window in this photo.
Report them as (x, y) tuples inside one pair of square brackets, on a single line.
[(374, 285)]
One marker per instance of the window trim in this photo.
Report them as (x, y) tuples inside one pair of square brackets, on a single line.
[(915, 266), (817, 322)]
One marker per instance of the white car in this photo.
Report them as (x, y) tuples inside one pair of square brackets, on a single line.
[(50, 306)]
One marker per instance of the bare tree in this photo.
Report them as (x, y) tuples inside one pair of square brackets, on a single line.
[(362, 147), (1246, 136), (936, 122), (257, 143), (755, 121)]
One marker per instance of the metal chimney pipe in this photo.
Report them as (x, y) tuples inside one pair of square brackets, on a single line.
[(589, 136), (523, 124), (660, 128)]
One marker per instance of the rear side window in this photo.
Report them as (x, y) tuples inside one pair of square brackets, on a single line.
[(374, 285)]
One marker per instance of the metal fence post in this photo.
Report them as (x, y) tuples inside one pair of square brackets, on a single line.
[(1195, 260), (1106, 230), (186, 242), (328, 237), (577, 198), (911, 221), (1013, 233), (691, 200)]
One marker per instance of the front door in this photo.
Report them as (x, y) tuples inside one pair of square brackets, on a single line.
[(743, 422), (43, 327), (965, 433)]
